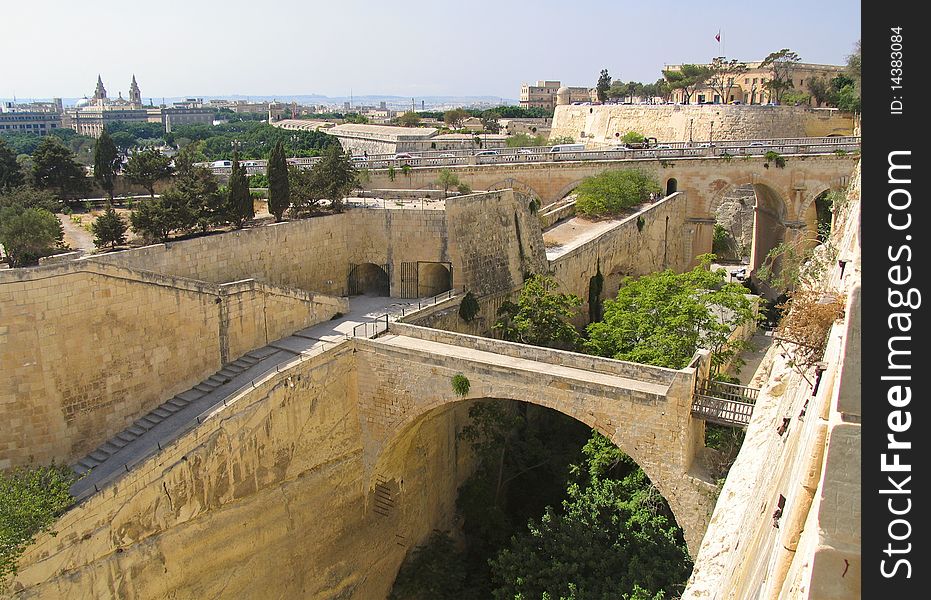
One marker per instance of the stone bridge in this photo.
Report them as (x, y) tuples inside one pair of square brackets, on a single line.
[(316, 480), (785, 196)]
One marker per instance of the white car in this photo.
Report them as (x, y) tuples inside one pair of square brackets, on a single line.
[(447, 156)]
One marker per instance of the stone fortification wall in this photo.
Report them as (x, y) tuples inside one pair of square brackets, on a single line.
[(86, 347), (676, 123), (815, 465), (653, 239), (494, 239), (310, 254), (445, 315), (268, 498)]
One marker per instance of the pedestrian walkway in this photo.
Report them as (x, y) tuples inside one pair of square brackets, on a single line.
[(171, 419)]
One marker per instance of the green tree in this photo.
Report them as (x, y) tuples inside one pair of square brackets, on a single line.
[(30, 501), (687, 78), (853, 67), (604, 84), (613, 191), (27, 197), (28, 233), (147, 167), (156, 218), (723, 75), (447, 179), (10, 174), (54, 168), (820, 90), (663, 318), (109, 228), (409, 119), (433, 571), (106, 163), (239, 204), (541, 316), (613, 537), (306, 191), (633, 137), (454, 117), (194, 197), (334, 176), (782, 66), (279, 192), (522, 140)]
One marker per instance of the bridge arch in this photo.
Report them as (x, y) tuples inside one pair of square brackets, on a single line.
[(650, 422), (516, 185)]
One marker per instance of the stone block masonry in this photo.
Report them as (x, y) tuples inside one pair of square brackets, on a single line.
[(606, 124), (85, 347)]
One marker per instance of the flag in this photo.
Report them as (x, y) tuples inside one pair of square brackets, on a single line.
[(718, 36)]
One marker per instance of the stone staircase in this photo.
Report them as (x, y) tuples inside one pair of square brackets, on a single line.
[(165, 410)]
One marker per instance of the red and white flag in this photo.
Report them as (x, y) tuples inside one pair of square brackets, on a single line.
[(718, 36)]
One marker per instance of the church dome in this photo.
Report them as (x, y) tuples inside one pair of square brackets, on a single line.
[(81, 103)]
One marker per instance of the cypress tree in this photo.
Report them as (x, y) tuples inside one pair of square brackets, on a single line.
[(279, 194), (106, 163), (239, 201)]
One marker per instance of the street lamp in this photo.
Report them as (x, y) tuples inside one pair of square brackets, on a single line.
[(711, 134)]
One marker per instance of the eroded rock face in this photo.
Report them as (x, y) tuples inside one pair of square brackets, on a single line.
[(733, 210)]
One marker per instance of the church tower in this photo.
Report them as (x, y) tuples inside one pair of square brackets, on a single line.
[(135, 96), (100, 93)]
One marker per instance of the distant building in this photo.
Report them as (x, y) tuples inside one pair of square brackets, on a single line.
[(384, 139), (35, 117), (543, 95), (91, 115), (749, 88)]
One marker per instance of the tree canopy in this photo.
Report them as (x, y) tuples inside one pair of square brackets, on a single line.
[(782, 66), (11, 175), (613, 191), (541, 316), (663, 318), (54, 168), (147, 167), (279, 191), (107, 162)]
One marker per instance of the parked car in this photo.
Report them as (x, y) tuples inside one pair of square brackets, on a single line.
[(524, 151), (359, 159), (486, 153), (447, 155), (403, 155)]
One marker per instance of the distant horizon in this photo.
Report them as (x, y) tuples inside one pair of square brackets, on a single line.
[(413, 49)]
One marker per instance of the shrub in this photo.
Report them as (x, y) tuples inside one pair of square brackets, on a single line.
[(613, 191), (460, 384), (632, 137), (469, 307), (776, 158)]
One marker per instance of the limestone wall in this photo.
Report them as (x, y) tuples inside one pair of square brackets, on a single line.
[(85, 348), (268, 498), (653, 239), (676, 123), (310, 254), (815, 465), (445, 315), (494, 239)]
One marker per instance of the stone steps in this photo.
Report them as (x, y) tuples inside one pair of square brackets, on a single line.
[(176, 403)]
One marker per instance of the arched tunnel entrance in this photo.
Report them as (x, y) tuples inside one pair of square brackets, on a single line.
[(505, 461), (433, 278), (369, 279), (672, 186), (769, 225)]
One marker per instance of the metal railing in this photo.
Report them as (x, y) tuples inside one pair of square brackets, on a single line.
[(694, 149), (372, 328), (724, 403), (427, 302)]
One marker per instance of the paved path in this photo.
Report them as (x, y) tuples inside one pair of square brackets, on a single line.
[(534, 367), (76, 236), (179, 414)]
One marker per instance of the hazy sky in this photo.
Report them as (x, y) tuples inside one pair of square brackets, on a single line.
[(406, 48)]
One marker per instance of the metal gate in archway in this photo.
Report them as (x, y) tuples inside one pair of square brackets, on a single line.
[(411, 280)]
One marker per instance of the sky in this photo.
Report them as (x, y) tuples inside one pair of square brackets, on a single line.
[(406, 48)]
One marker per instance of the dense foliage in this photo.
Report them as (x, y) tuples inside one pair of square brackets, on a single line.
[(54, 168), (279, 189), (147, 167), (613, 191), (30, 500), (253, 139), (541, 316), (613, 537), (663, 318), (109, 228)]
